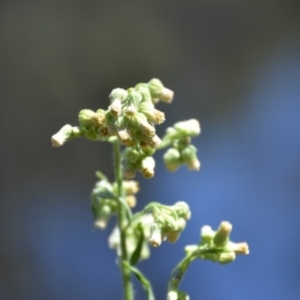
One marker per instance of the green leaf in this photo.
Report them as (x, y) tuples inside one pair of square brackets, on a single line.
[(101, 176), (137, 252)]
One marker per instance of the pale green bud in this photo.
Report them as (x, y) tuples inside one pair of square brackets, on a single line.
[(90, 133), (155, 238), (131, 187), (114, 239), (125, 137), (85, 117), (103, 216), (115, 108), (189, 128), (177, 295), (207, 234), (157, 90), (154, 141), (144, 91), (132, 155), (238, 248), (129, 170), (119, 94), (222, 235), (102, 185), (173, 236), (147, 150), (182, 209), (140, 122), (133, 100), (147, 167), (64, 134), (152, 114), (189, 156), (172, 159), (169, 222), (226, 257), (100, 117), (124, 133), (130, 200)]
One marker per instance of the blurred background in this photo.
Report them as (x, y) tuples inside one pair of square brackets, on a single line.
[(234, 65)]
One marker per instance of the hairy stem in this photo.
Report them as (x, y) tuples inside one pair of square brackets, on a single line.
[(122, 222)]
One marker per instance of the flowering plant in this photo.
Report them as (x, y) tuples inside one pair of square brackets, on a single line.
[(129, 125)]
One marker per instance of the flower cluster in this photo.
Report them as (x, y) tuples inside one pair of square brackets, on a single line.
[(104, 200), (216, 245), (137, 236), (181, 151), (163, 223), (131, 117), (169, 222)]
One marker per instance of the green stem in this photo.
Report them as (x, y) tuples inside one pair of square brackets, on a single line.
[(179, 272), (122, 222)]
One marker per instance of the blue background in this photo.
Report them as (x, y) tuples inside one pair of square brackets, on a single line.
[(234, 65)]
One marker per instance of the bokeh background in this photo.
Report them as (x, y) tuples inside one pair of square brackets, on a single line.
[(234, 65)]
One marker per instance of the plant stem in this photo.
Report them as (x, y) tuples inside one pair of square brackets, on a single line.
[(179, 272), (122, 222)]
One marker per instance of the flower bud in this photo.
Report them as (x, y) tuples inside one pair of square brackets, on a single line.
[(124, 132), (130, 200), (64, 134), (134, 98), (147, 167), (129, 170), (172, 159), (125, 137), (115, 108), (90, 133), (207, 234), (157, 90), (143, 89), (222, 235), (103, 131), (119, 94), (177, 295), (99, 119), (140, 122), (154, 141), (190, 127), (155, 235), (173, 236), (238, 248), (226, 257), (131, 187), (189, 156), (103, 216), (86, 117), (153, 115), (182, 210), (147, 150)]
